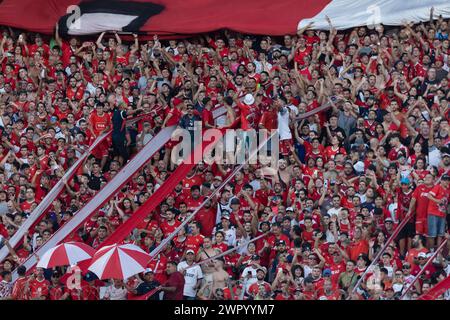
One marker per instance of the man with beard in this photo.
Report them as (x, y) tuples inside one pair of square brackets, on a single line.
[(174, 286), (418, 246), (207, 251), (422, 259), (206, 216), (194, 200), (284, 175), (170, 223), (254, 288), (102, 233), (444, 166)]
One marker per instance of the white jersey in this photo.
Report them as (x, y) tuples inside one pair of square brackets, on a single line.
[(283, 124), (191, 277)]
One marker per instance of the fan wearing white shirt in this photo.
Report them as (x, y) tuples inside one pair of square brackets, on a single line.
[(116, 291), (192, 275)]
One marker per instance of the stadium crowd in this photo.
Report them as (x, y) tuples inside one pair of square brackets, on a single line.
[(347, 175)]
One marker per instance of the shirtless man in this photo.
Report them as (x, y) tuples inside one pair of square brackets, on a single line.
[(220, 276), (285, 174), (206, 252)]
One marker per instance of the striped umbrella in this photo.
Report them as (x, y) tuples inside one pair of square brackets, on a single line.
[(66, 254), (119, 261)]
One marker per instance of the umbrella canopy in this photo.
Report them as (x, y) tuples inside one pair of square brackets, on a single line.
[(119, 261), (65, 254)]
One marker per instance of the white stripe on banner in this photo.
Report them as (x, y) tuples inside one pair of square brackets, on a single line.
[(346, 14), (95, 203)]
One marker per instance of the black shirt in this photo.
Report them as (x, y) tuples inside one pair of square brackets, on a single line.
[(146, 287)]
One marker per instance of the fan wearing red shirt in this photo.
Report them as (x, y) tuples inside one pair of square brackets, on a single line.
[(100, 122), (206, 216), (194, 240), (397, 147), (20, 290), (419, 204), (437, 210), (314, 149), (29, 200), (191, 180), (39, 287), (358, 246), (56, 290), (170, 224), (308, 233), (74, 92), (159, 265), (253, 290), (207, 115), (248, 111), (269, 119), (301, 51)]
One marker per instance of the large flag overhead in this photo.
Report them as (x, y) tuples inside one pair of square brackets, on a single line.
[(186, 17)]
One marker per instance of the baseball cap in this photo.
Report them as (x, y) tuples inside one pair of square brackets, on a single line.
[(148, 270), (445, 177), (422, 255), (218, 178), (225, 216), (280, 242), (404, 180), (263, 269), (190, 251), (326, 273), (290, 209), (388, 220)]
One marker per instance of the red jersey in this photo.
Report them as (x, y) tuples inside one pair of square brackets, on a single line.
[(192, 203), (404, 200), (39, 288), (249, 116), (420, 194), (18, 291), (194, 242), (169, 228), (99, 123), (438, 209)]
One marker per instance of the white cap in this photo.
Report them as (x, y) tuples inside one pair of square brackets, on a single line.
[(148, 270), (248, 99)]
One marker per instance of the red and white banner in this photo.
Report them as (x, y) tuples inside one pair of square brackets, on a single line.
[(172, 18), (346, 14)]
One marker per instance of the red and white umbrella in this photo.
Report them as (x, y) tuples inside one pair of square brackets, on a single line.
[(66, 254), (119, 261)]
